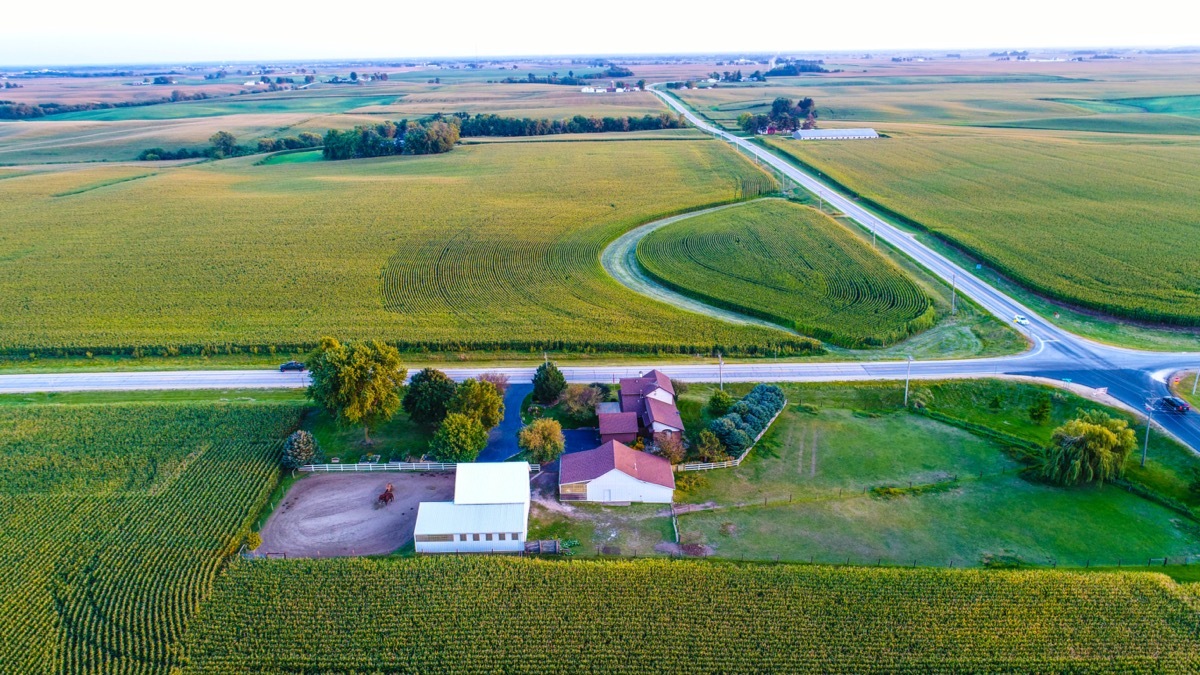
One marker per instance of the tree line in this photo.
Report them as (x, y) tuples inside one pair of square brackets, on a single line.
[(571, 78), (21, 111), (496, 125), (224, 144), (793, 68)]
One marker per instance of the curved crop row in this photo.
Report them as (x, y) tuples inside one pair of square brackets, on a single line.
[(482, 614), (792, 265)]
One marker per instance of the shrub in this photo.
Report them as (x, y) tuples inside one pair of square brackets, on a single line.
[(460, 438), (497, 380), (542, 439), (580, 400), (690, 481), (719, 403), (729, 434), (300, 449), (669, 447), (1039, 412), (548, 383), (709, 448)]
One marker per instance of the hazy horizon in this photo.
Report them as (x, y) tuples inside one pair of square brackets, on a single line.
[(134, 32)]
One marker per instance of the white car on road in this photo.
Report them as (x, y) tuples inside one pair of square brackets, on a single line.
[(1020, 320)]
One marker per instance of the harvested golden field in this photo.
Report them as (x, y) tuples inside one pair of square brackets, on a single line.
[(1106, 222), (488, 246)]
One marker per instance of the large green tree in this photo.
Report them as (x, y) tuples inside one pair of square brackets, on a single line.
[(224, 143), (478, 399), (429, 393), (356, 383), (548, 383), (1090, 449), (460, 439)]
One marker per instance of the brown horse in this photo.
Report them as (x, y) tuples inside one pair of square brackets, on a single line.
[(385, 498)]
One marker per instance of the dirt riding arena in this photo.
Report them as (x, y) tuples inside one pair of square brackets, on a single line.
[(328, 515)]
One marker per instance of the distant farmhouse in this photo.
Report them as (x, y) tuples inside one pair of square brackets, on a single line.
[(615, 472), (489, 514), (833, 134)]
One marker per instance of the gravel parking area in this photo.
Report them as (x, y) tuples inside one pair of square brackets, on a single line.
[(329, 515)]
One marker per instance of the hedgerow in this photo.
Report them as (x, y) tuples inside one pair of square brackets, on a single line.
[(748, 417)]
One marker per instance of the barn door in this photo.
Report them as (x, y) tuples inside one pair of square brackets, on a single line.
[(608, 495)]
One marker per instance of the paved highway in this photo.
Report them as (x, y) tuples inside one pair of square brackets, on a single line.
[(1131, 376)]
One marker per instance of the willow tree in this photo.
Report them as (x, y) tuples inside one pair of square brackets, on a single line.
[(357, 383), (1089, 449)]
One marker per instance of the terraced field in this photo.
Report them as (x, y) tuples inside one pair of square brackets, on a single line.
[(490, 246), (792, 265), (114, 520), (517, 615), (1106, 222)]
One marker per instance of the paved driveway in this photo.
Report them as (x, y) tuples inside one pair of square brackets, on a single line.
[(502, 441)]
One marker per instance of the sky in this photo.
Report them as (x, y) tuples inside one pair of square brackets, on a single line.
[(81, 32)]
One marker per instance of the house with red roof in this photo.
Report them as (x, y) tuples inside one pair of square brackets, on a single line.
[(651, 398), (615, 472)]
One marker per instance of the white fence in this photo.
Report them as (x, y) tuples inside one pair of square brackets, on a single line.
[(730, 463), (376, 466), (388, 466)]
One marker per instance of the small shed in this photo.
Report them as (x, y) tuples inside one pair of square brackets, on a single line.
[(614, 472)]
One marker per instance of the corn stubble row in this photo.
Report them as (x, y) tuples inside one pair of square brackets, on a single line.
[(105, 565)]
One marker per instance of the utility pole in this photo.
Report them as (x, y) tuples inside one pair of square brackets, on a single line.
[(907, 376), (953, 294), (1195, 381), (721, 370)]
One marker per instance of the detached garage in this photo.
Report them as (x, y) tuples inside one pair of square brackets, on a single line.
[(615, 472)]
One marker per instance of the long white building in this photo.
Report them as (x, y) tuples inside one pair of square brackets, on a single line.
[(489, 514), (833, 134)]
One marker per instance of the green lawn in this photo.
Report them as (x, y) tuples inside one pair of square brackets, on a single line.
[(633, 530), (805, 490)]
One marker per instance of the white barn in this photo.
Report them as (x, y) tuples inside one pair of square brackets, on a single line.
[(614, 472), (489, 514), (833, 134)]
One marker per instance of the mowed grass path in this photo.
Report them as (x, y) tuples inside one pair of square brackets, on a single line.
[(793, 265), (1107, 223), (487, 245)]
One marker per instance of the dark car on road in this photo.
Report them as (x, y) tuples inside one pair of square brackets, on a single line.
[(1174, 404), (292, 365)]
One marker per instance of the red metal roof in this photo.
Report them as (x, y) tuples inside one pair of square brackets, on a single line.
[(663, 413), (618, 423), (588, 465)]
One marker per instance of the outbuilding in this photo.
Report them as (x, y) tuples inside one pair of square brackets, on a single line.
[(615, 472), (833, 134), (489, 514)]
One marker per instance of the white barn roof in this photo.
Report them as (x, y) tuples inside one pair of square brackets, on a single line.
[(492, 483), (833, 134), (451, 518)]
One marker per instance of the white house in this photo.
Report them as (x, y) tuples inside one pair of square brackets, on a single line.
[(833, 134), (489, 514), (614, 472)]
